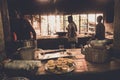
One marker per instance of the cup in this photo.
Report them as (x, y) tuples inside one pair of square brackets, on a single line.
[(61, 47), (72, 46)]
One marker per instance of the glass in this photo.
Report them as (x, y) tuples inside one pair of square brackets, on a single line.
[(61, 47), (35, 44), (72, 46)]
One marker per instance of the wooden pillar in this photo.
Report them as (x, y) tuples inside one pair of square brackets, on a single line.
[(5, 33), (2, 44), (5, 20), (116, 41)]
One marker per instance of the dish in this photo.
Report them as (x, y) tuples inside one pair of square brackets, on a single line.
[(60, 66)]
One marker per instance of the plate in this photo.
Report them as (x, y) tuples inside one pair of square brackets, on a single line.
[(60, 71)]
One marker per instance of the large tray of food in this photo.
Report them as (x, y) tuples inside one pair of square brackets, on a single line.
[(60, 66)]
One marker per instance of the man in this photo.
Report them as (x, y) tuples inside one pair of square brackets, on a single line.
[(72, 32), (22, 29), (100, 29)]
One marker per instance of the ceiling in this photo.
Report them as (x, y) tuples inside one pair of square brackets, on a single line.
[(68, 6)]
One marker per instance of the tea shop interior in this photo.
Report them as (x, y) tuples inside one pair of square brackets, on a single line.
[(59, 40)]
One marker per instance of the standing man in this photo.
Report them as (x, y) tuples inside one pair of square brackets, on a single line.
[(22, 28), (21, 31), (100, 29), (72, 32)]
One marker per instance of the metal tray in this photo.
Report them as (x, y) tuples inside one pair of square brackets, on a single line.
[(55, 55)]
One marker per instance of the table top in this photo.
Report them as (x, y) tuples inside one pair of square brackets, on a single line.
[(83, 69), (83, 66)]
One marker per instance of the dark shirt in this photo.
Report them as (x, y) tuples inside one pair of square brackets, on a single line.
[(100, 31), (22, 28)]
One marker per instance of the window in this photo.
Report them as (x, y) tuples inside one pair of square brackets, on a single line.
[(83, 23), (45, 25)]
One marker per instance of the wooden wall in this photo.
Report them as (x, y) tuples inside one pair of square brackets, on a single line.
[(117, 27), (62, 6), (2, 45), (5, 35)]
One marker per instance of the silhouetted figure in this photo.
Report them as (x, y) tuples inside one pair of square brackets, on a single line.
[(72, 32), (22, 29), (100, 29)]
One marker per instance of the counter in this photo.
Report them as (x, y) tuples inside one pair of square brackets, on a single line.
[(53, 42)]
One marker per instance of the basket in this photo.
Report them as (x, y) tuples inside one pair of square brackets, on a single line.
[(96, 55)]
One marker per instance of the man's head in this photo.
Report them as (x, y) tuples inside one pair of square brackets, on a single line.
[(70, 18), (99, 18)]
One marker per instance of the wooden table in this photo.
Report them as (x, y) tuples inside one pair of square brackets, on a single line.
[(84, 70)]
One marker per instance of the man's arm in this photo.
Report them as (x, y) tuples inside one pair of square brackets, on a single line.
[(31, 30)]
